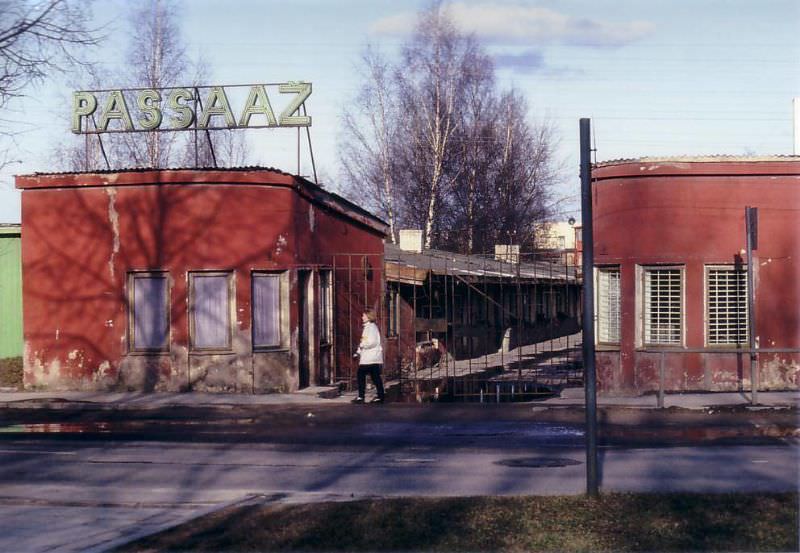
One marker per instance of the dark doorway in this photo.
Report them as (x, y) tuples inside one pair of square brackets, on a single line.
[(303, 281)]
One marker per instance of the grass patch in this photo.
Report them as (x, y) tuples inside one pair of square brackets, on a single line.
[(614, 522), (11, 372)]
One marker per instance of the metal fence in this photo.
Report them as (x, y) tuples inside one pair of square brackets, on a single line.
[(463, 328)]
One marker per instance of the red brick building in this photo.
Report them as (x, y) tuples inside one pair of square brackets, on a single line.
[(671, 273), (217, 280)]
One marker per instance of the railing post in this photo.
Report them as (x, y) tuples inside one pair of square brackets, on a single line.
[(661, 381)]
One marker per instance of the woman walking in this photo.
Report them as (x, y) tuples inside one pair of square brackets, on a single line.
[(370, 357)]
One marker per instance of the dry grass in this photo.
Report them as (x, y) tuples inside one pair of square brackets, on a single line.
[(615, 522), (11, 373)]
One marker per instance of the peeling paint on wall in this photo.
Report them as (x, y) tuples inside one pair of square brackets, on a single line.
[(113, 218), (779, 373), (280, 243)]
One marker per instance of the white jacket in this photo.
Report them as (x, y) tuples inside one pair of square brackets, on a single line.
[(370, 350)]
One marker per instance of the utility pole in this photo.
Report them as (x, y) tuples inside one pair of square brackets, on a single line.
[(590, 377), (751, 230)]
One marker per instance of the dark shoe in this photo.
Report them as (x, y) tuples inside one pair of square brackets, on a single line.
[(377, 400), (357, 400)]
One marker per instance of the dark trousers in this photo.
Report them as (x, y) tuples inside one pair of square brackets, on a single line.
[(374, 371)]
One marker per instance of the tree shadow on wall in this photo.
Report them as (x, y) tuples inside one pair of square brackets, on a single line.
[(83, 243)]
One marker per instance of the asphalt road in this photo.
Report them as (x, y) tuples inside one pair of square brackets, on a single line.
[(74, 481)]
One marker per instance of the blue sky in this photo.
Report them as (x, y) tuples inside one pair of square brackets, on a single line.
[(658, 78)]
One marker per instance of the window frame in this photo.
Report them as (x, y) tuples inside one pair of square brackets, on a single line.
[(279, 276), (598, 271), (192, 275), (325, 306), (132, 276), (643, 305), (732, 268)]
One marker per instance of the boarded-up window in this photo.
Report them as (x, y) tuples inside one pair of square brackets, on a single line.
[(266, 310), (210, 324), (608, 305), (149, 312)]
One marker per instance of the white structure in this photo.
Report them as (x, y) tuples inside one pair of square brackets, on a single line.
[(796, 104), (559, 235)]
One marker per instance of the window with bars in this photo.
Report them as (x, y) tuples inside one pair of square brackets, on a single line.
[(148, 312), (726, 305), (608, 305), (210, 311), (663, 305)]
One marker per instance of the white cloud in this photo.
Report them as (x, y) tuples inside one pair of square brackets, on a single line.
[(520, 24)]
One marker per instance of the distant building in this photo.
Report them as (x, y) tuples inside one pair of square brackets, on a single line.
[(10, 292), (560, 238), (671, 277), (210, 280)]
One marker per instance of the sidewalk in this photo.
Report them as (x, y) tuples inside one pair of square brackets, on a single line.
[(569, 398)]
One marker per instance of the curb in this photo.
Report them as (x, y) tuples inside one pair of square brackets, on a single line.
[(248, 499)]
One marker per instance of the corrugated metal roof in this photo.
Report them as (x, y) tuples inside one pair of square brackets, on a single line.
[(448, 263), (149, 169), (723, 158)]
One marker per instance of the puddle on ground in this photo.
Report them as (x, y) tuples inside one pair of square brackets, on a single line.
[(98, 427), (57, 428), (472, 430)]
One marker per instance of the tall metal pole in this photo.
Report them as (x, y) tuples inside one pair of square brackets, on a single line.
[(590, 378), (751, 226)]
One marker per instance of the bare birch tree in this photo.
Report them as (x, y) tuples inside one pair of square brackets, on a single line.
[(156, 58), (430, 79), (459, 159), (368, 156)]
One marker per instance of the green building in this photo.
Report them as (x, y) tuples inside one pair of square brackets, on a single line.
[(11, 343)]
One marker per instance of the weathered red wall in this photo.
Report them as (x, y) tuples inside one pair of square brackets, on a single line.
[(692, 213), (82, 233)]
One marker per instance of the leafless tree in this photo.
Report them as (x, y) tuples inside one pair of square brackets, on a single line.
[(475, 142), (38, 38), (526, 172), (156, 58), (451, 154), (433, 67), (368, 154)]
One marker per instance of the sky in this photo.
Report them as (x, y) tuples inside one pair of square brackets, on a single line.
[(656, 77)]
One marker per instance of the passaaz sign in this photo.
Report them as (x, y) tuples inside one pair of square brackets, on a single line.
[(189, 108)]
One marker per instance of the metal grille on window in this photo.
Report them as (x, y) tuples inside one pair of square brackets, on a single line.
[(150, 329), (662, 306), (608, 305), (211, 312), (727, 306), (266, 311)]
